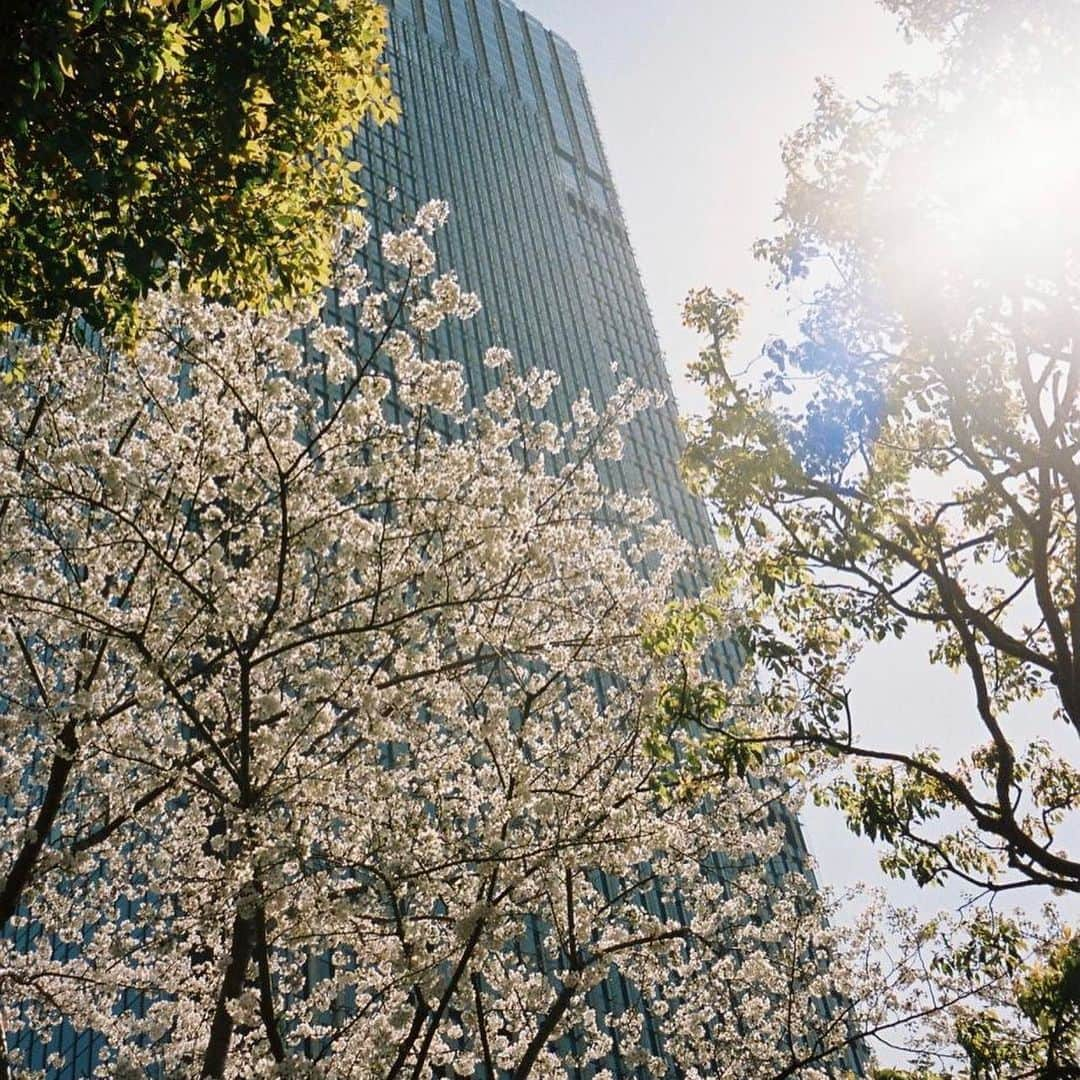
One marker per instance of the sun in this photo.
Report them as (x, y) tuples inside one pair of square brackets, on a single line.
[(988, 193)]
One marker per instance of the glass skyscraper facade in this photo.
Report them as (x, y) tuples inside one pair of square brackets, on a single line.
[(496, 118)]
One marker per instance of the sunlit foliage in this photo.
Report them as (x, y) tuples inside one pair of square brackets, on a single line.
[(909, 458), (205, 136)]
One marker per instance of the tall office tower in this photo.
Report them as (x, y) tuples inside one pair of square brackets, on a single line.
[(497, 120)]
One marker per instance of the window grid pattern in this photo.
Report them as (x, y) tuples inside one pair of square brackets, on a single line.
[(496, 118)]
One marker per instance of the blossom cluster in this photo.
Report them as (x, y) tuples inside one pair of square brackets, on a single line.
[(330, 742)]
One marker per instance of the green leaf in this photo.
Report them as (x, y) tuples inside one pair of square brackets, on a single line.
[(262, 17)]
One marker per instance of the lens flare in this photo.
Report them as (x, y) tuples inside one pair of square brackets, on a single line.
[(986, 196)]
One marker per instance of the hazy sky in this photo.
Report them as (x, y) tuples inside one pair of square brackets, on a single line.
[(693, 98)]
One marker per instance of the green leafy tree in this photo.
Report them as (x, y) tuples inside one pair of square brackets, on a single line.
[(207, 135), (911, 458), (1017, 1017)]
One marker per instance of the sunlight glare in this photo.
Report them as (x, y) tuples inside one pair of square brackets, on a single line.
[(992, 198)]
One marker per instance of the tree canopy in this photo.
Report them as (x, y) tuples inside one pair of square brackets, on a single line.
[(911, 457), (329, 741), (206, 136)]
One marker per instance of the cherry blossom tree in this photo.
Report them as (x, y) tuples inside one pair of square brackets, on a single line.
[(333, 745)]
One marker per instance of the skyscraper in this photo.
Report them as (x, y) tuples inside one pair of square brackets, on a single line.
[(496, 119)]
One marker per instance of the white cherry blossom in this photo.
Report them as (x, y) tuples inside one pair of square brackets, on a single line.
[(331, 747)]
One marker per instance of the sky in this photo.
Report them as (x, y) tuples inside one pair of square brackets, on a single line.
[(693, 98)]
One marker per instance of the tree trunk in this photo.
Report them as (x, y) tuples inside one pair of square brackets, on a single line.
[(5, 1069), (544, 1033), (232, 984), (21, 872)]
